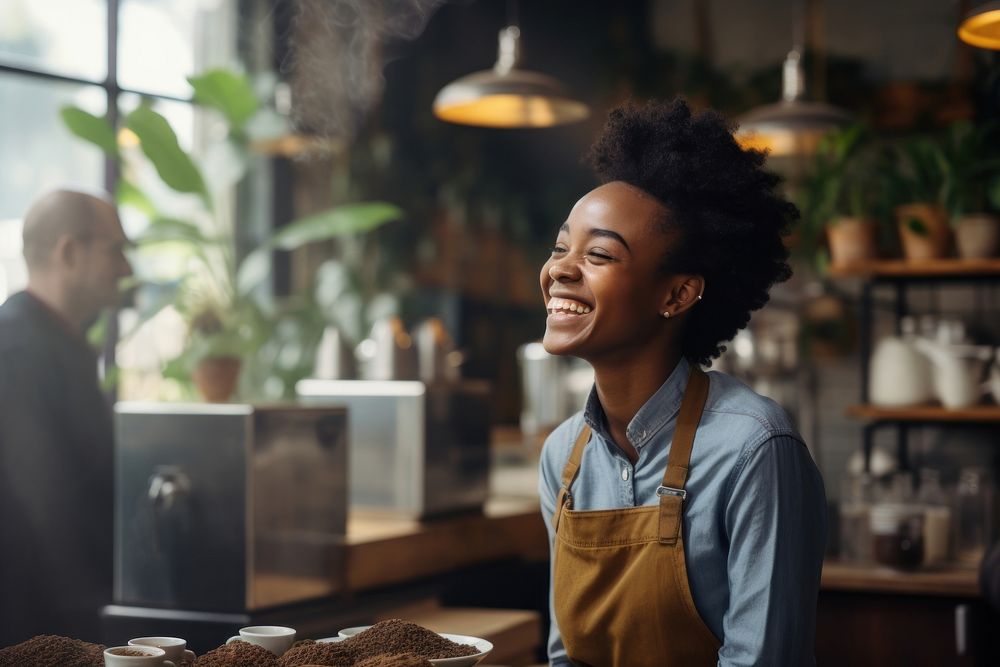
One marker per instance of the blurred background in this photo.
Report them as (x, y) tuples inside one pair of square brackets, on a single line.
[(305, 215)]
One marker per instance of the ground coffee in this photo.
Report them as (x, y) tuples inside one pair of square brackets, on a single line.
[(395, 636), (404, 660), (52, 651), (331, 654), (238, 654)]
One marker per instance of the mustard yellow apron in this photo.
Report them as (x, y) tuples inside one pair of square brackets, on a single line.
[(620, 581)]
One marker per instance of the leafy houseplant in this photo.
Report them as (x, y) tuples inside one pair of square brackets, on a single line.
[(231, 319), (972, 179), (916, 174), (836, 199)]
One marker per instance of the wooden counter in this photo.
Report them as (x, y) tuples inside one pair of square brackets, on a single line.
[(953, 582), (384, 551)]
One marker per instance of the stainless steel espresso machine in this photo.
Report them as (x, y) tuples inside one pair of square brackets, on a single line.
[(225, 514), (417, 449)]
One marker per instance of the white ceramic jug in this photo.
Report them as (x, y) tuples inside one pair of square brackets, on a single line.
[(899, 375), (957, 371)]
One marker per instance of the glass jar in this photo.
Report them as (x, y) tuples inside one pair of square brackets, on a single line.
[(937, 518), (856, 497), (898, 535), (974, 515)]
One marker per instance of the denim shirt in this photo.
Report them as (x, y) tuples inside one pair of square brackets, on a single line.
[(754, 517)]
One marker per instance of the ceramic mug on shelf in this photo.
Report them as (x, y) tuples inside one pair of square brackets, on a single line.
[(136, 656), (275, 638), (175, 648)]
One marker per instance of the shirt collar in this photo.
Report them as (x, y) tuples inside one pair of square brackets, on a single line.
[(655, 413)]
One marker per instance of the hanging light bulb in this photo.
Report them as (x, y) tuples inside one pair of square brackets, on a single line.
[(793, 126), (981, 27), (506, 96)]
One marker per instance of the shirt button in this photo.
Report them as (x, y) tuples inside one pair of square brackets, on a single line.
[(642, 435), (624, 474)]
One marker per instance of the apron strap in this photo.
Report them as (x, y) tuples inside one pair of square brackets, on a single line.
[(569, 473), (672, 491)]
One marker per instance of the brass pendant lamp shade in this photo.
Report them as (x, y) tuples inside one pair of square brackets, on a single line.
[(508, 97), (793, 126), (981, 27)]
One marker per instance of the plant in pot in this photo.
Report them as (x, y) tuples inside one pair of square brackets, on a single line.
[(232, 320), (915, 175), (835, 199), (972, 187)]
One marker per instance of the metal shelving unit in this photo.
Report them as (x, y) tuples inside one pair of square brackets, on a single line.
[(898, 276)]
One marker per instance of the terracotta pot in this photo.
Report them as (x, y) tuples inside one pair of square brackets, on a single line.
[(851, 240), (935, 242), (977, 236), (215, 378)]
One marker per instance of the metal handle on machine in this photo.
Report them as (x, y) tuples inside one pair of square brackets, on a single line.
[(166, 485), (962, 629)]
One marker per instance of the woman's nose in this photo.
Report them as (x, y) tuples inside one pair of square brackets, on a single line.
[(564, 268)]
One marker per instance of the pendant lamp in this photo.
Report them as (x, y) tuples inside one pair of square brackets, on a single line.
[(981, 26), (508, 97), (793, 126)]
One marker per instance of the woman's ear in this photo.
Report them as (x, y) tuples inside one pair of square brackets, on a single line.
[(684, 295)]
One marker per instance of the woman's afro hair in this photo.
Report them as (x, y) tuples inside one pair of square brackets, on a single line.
[(718, 196)]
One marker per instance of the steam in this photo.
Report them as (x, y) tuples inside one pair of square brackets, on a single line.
[(338, 55)]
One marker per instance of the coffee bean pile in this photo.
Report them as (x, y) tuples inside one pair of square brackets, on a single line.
[(403, 660), (238, 654), (331, 654), (395, 637), (52, 651)]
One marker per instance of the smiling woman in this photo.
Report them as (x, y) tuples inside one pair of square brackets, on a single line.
[(666, 553)]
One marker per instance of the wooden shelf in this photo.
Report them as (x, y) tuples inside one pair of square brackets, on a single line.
[(931, 268), (956, 582), (926, 413)]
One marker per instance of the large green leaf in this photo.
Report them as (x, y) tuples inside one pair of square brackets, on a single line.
[(171, 229), (160, 145), (339, 221), (254, 268), (229, 92), (130, 195), (89, 127)]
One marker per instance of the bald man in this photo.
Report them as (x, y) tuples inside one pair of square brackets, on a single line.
[(56, 475)]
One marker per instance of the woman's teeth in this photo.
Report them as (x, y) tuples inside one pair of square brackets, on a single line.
[(567, 306)]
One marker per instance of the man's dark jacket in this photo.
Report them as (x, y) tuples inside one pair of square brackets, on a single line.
[(56, 478)]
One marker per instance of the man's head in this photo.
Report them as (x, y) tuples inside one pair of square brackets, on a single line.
[(74, 249)]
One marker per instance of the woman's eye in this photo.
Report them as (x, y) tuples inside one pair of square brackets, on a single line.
[(557, 249), (600, 255)]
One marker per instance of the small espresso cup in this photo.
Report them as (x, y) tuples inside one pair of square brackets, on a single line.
[(174, 647), (136, 656), (274, 638)]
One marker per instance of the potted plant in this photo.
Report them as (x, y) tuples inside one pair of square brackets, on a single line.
[(230, 317), (836, 197), (972, 175), (916, 176)]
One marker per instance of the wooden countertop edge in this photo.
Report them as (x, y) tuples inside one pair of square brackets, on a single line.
[(385, 552), (876, 579)]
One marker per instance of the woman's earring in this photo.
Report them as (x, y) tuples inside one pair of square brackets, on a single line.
[(666, 313)]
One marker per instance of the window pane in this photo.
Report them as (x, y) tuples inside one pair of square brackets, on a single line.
[(161, 42), (62, 36), (37, 154)]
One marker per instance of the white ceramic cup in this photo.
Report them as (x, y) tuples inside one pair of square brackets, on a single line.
[(174, 647), (152, 657), (275, 638)]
